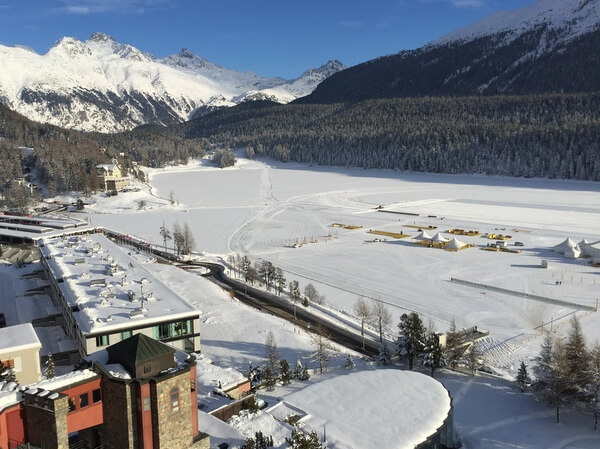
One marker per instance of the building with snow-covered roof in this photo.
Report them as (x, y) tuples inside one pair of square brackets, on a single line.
[(147, 399), (20, 351), (564, 246), (111, 176), (387, 408), (106, 296)]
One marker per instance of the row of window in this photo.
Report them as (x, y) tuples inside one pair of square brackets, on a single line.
[(84, 399), (160, 332)]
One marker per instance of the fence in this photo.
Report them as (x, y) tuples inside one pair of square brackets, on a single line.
[(505, 291)]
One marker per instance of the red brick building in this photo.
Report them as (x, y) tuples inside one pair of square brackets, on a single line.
[(142, 398)]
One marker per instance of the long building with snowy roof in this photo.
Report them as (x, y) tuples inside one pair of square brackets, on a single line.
[(106, 296)]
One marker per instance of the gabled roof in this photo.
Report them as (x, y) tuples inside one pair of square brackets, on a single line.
[(137, 350)]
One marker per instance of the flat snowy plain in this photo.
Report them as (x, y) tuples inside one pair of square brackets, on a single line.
[(260, 208)]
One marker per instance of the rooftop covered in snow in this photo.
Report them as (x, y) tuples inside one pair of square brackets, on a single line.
[(107, 289), (377, 408), (18, 337)]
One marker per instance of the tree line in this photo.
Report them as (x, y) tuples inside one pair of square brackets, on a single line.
[(549, 135)]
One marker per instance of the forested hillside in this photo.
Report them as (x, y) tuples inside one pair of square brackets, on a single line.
[(66, 160), (553, 135)]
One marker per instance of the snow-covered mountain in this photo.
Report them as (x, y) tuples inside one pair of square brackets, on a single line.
[(565, 19), (548, 46), (103, 85)]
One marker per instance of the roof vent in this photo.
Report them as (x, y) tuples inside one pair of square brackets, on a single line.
[(133, 296), (109, 318), (137, 313)]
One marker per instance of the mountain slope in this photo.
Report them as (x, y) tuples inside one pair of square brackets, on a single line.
[(102, 85), (549, 46)]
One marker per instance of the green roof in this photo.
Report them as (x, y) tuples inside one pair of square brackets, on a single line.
[(137, 350)]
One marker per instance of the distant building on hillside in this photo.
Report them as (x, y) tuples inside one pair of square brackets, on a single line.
[(111, 176), (106, 296)]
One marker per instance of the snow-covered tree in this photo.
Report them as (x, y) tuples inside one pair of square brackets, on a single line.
[(523, 377), (577, 360), (322, 349), (552, 371), (384, 358), (272, 353), (50, 368), (594, 382), (301, 440), (474, 358), (349, 363), (295, 293), (363, 312), (454, 348), (280, 280), (313, 295), (258, 442), (433, 355), (411, 338)]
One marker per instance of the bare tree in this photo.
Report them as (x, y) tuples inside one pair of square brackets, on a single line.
[(313, 295), (364, 314), (188, 240), (382, 317)]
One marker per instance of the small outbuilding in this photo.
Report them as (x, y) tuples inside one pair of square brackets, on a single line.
[(20, 352)]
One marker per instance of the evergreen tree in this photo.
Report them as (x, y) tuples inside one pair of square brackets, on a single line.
[(272, 353), (280, 280), (349, 364), (473, 357), (577, 360), (165, 234), (298, 369), (594, 382), (384, 357), (258, 442), (454, 348), (411, 338), (301, 440), (50, 369), (433, 355), (284, 372), (523, 377), (322, 349), (551, 370), (269, 380)]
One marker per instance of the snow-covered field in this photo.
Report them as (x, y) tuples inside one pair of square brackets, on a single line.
[(261, 209)]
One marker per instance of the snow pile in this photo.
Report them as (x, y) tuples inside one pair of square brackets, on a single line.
[(211, 376), (250, 423), (117, 370)]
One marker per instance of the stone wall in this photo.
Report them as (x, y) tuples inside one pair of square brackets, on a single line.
[(120, 415), (173, 428), (47, 421)]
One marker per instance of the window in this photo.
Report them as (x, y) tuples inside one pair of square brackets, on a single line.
[(71, 404), (146, 404), (101, 340), (84, 400), (125, 335), (96, 396), (192, 385), (174, 400), (147, 369), (174, 329)]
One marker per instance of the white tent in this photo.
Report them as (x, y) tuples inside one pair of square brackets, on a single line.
[(423, 236), (573, 253), (592, 250), (439, 238), (564, 246), (455, 244)]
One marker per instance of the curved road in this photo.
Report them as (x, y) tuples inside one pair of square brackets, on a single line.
[(262, 300)]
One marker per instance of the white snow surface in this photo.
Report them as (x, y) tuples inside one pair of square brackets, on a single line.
[(570, 18), (18, 337), (101, 67), (209, 375), (352, 421)]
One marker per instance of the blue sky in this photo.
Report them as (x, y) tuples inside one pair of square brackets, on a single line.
[(269, 37)]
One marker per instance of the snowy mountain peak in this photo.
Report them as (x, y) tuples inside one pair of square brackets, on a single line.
[(101, 37), (325, 70), (567, 18), (103, 85)]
